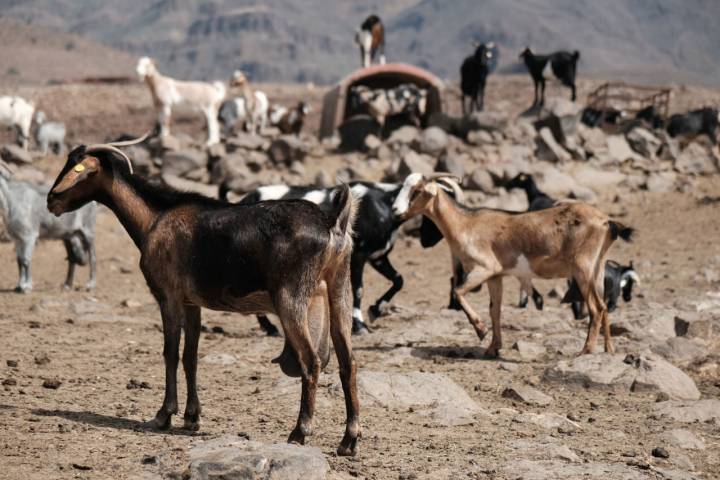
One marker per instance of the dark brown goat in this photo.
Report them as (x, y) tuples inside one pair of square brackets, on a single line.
[(284, 257)]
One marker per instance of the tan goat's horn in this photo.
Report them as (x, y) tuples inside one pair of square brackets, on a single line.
[(109, 148)]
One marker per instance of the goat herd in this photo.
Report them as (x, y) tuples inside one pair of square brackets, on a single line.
[(300, 252)]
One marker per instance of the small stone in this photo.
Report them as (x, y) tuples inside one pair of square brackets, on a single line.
[(52, 384), (149, 460), (527, 395), (12, 363), (660, 452), (136, 385), (42, 359), (218, 329), (131, 303), (9, 382)]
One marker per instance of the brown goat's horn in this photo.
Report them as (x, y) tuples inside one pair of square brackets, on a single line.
[(109, 148), (134, 141)]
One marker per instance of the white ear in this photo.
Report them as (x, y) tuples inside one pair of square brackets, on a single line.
[(431, 189)]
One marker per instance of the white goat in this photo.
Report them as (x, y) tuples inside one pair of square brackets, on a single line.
[(17, 112), (49, 134), (256, 103), (167, 92), (233, 111), (569, 240)]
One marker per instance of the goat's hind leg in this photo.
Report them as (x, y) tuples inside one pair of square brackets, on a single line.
[(292, 310), (190, 359), (496, 293), (71, 265), (24, 251), (474, 279), (339, 298), (385, 268)]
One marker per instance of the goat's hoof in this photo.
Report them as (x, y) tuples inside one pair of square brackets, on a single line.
[(90, 287), (585, 351), (192, 425), (609, 349), (297, 436), (348, 446), (162, 421), (20, 289), (481, 333), (492, 352), (373, 313), (359, 328), (66, 287)]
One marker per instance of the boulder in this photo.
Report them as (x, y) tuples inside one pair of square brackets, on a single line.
[(615, 371), (566, 111), (549, 149), (684, 439), (185, 185), (643, 142), (432, 395), (619, 149), (697, 160), (323, 179), (404, 135), (479, 137), (562, 470), (451, 163), (233, 457), (481, 180), (689, 412), (179, 163), (598, 180), (661, 182), (529, 350), (433, 141), (526, 394), (487, 120), (372, 144), (680, 350), (246, 141), (413, 162), (284, 152), (12, 153), (141, 160)]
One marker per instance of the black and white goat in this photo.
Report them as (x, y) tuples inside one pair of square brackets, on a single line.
[(473, 76), (371, 39), (564, 67), (289, 121), (374, 234), (619, 279), (407, 100), (697, 122)]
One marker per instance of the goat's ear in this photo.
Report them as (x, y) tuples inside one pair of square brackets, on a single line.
[(77, 174), (430, 234), (431, 188)]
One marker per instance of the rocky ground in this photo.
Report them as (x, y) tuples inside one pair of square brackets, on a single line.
[(82, 370)]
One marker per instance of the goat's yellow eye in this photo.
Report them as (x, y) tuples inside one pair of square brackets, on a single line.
[(79, 167)]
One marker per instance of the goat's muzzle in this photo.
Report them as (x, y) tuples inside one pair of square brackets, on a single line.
[(54, 204)]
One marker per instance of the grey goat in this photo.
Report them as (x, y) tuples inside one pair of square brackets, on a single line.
[(49, 134), (27, 218)]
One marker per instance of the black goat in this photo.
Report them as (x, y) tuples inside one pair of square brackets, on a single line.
[(374, 233), (286, 257), (537, 200), (696, 122), (564, 67), (473, 77), (618, 279), (650, 116), (371, 39), (592, 117)]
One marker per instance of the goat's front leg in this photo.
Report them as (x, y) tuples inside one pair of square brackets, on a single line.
[(24, 251), (458, 278), (164, 119), (474, 279), (339, 297), (385, 268), (71, 265), (496, 293), (357, 266), (190, 359), (172, 317), (89, 244)]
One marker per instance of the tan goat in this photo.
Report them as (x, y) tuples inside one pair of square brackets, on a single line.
[(570, 240), (167, 92)]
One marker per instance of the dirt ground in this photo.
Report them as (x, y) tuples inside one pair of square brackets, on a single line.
[(102, 343)]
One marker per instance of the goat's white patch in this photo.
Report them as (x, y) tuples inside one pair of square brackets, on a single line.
[(385, 187), (521, 269), (359, 190), (623, 282), (316, 196), (402, 202), (273, 192), (387, 247), (357, 314)]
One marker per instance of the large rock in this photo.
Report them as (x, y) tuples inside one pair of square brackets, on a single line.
[(680, 350), (598, 180), (684, 439), (404, 135), (413, 162), (246, 141), (560, 469), (549, 149), (480, 137), (567, 112), (433, 395), (15, 154), (643, 142), (619, 149), (179, 163), (689, 412), (616, 371), (433, 141), (232, 457), (452, 163), (526, 394), (661, 182), (481, 180), (487, 120), (696, 159), (653, 323)]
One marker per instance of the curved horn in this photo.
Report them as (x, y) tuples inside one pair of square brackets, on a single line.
[(436, 175), (134, 141), (459, 195), (110, 148), (633, 275)]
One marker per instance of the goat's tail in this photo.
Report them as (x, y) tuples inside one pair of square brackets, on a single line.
[(342, 218), (617, 229), (576, 55)]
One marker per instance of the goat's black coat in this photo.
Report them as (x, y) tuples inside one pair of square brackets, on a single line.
[(473, 77), (374, 234), (564, 67), (613, 283), (696, 122), (537, 200)]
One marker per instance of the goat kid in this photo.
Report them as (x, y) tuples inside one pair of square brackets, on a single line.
[(256, 103), (234, 111), (564, 67), (285, 257), (289, 121), (168, 92), (27, 220), (16, 112), (374, 235), (694, 123), (569, 240), (49, 134), (619, 279), (405, 99), (371, 39)]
